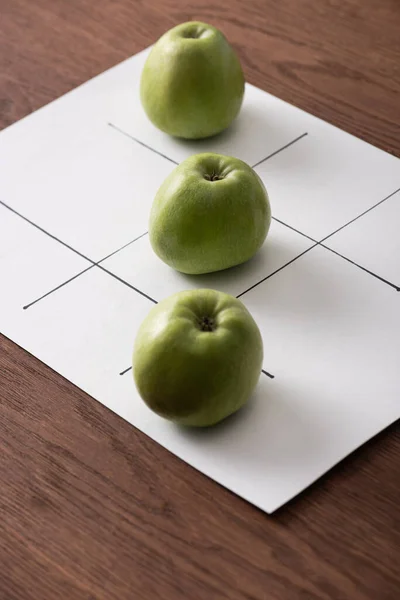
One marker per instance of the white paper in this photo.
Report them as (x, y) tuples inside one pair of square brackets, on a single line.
[(78, 274)]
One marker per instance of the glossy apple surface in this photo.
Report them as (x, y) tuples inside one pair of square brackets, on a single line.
[(197, 357), (212, 212), (192, 83)]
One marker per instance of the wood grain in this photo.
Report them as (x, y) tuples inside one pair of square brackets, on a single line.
[(92, 509)]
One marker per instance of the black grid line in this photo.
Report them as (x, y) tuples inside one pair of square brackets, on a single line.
[(138, 237), (96, 264), (129, 285), (268, 374), (50, 235), (360, 267), (58, 287), (340, 228), (126, 371), (276, 271), (93, 263), (295, 230), (279, 150), (262, 371), (359, 216), (131, 137)]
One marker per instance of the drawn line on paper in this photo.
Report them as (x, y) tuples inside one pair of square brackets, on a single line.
[(295, 230), (268, 374), (58, 287), (144, 145), (361, 267), (95, 264), (321, 242), (131, 137), (276, 271), (279, 150), (50, 235), (262, 370), (129, 285), (126, 371), (122, 247), (360, 215)]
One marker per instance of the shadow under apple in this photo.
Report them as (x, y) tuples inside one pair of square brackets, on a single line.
[(238, 139), (277, 429)]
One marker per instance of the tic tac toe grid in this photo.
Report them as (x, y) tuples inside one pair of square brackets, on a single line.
[(78, 274)]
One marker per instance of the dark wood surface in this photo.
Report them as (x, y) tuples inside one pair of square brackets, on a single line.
[(89, 507)]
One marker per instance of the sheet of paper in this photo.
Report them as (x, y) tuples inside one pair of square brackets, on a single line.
[(77, 179)]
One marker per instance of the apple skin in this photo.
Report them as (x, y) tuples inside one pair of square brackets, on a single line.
[(201, 224), (197, 357), (192, 84)]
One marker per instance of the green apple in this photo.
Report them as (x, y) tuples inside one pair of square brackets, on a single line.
[(197, 357), (192, 84), (212, 212)]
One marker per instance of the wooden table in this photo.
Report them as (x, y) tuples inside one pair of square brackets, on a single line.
[(89, 507)]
